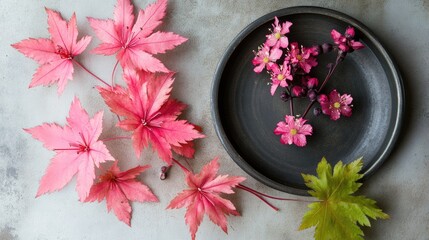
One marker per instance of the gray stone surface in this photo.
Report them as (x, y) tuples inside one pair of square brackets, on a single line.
[(400, 186)]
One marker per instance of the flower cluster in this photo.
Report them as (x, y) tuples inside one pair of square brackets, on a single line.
[(289, 66)]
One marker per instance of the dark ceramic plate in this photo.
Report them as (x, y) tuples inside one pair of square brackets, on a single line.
[(245, 114)]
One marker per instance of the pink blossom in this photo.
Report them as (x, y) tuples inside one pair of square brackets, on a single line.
[(293, 130), (345, 42), (266, 57), (336, 105), (279, 75), (303, 57), (277, 38)]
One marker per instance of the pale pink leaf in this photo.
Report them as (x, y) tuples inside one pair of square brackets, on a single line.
[(85, 178), (160, 42), (145, 61), (178, 132), (117, 201), (202, 196), (60, 171), (151, 114), (132, 41), (149, 19), (119, 188), (56, 54), (105, 31), (52, 135), (41, 50), (78, 150), (123, 18)]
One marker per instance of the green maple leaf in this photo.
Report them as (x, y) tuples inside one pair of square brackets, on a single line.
[(337, 215)]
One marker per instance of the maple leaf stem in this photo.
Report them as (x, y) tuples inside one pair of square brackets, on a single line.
[(258, 196), (113, 73), (114, 138), (181, 166), (272, 197), (91, 73)]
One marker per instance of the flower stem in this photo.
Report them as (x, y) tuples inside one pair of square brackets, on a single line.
[(308, 108), (91, 73), (291, 106), (115, 138), (330, 72), (328, 76)]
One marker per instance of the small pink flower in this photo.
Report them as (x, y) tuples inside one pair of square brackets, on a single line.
[(303, 57), (293, 130), (266, 57), (279, 75), (345, 42), (277, 38), (336, 105)]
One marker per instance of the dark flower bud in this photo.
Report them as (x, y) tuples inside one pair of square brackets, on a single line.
[(284, 96), (326, 47), (317, 111), (312, 95)]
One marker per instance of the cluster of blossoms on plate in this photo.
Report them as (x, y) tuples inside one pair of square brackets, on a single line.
[(289, 66)]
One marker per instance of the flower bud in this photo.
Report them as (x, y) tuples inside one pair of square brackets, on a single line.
[(317, 111), (322, 98), (312, 95), (312, 82), (284, 96), (298, 91), (326, 47)]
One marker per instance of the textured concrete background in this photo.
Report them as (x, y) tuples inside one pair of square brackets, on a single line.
[(400, 186)]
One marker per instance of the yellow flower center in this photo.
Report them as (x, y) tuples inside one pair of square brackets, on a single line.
[(299, 57), (266, 60), (293, 131), (337, 105), (278, 35), (280, 77)]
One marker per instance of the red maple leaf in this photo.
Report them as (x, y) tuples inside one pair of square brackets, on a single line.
[(77, 150), (203, 196), (119, 188), (151, 115), (55, 55), (135, 42)]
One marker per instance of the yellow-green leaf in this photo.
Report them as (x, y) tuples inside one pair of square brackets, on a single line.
[(338, 215)]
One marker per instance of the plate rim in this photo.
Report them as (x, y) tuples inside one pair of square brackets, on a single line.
[(394, 70)]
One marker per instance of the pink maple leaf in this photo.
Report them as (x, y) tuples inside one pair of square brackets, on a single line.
[(135, 42), (203, 196), (77, 149), (55, 55), (151, 115), (119, 188)]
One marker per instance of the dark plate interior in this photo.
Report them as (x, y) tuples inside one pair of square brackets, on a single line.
[(245, 114)]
